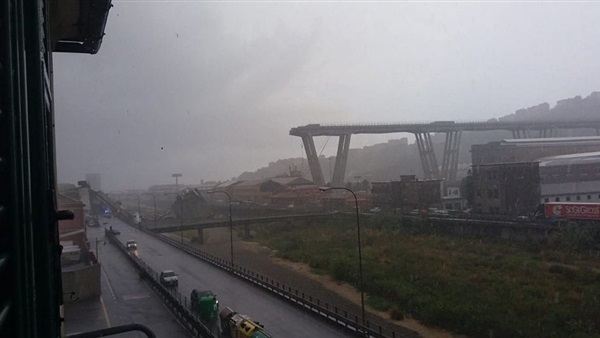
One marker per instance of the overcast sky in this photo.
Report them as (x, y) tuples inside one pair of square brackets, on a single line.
[(211, 89)]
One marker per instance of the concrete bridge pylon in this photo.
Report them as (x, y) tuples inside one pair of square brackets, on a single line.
[(341, 160), (427, 154), (313, 160)]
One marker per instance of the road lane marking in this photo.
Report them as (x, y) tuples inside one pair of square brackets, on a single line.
[(105, 312), (108, 282), (132, 297)]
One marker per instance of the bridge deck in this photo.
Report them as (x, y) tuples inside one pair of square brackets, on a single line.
[(439, 126)]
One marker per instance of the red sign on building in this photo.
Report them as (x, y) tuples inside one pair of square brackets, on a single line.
[(573, 210)]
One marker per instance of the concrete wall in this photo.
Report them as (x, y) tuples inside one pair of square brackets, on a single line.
[(85, 282)]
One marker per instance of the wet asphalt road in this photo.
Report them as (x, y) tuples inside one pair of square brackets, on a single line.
[(280, 318), (125, 299)]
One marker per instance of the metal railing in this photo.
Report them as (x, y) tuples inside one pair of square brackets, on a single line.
[(344, 319), (175, 302)]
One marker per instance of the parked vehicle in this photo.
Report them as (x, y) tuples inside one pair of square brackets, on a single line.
[(235, 325), (205, 304), (169, 278)]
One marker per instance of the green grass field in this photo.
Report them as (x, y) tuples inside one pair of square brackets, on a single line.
[(475, 286)]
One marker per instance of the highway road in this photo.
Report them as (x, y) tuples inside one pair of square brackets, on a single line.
[(125, 299), (280, 318)]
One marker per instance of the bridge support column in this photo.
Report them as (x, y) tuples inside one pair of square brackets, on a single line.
[(451, 152), (200, 237), (313, 160), (428, 160), (341, 160), (520, 133)]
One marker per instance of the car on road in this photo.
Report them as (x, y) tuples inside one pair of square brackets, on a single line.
[(131, 244), (169, 278)]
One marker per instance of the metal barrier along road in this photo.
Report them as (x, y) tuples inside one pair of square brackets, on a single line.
[(323, 310), (171, 297), (342, 318)]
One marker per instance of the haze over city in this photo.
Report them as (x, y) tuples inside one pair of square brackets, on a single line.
[(212, 89)]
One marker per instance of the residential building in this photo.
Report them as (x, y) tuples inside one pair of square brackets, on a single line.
[(410, 193), (381, 193), (506, 188), (452, 199), (72, 230)]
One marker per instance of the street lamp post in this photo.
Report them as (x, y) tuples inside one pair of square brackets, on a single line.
[(177, 176), (230, 223), (181, 216), (360, 273), (180, 212)]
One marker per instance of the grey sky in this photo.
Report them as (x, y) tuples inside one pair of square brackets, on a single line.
[(211, 89)]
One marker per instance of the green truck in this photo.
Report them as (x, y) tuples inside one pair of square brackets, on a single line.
[(205, 305)]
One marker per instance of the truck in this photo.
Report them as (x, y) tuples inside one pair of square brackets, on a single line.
[(572, 211), (205, 305), (235, 325)]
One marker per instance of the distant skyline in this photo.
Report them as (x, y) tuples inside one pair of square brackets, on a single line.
[(211, 89)]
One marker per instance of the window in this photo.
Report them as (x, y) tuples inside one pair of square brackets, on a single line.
[(578, 198), (557, 199), (546, 199), (568, 198), (589, 197)]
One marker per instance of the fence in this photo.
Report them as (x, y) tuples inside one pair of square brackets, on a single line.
[(177, 304), (350, 322)]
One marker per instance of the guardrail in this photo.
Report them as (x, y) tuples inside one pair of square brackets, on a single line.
[(348, 321), (323, 310), (170, 297)]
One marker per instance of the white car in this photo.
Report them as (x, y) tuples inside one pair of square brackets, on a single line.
[(169, 278)]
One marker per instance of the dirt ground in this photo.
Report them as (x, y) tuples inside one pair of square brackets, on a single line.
[(299, 276)]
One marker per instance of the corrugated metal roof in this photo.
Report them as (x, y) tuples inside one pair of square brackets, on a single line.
[(551, 140), (227, 184), (570, 188), (251, 183), (570, 159)]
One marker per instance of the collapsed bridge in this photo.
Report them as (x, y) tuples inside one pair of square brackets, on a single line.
[(422, 132)]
